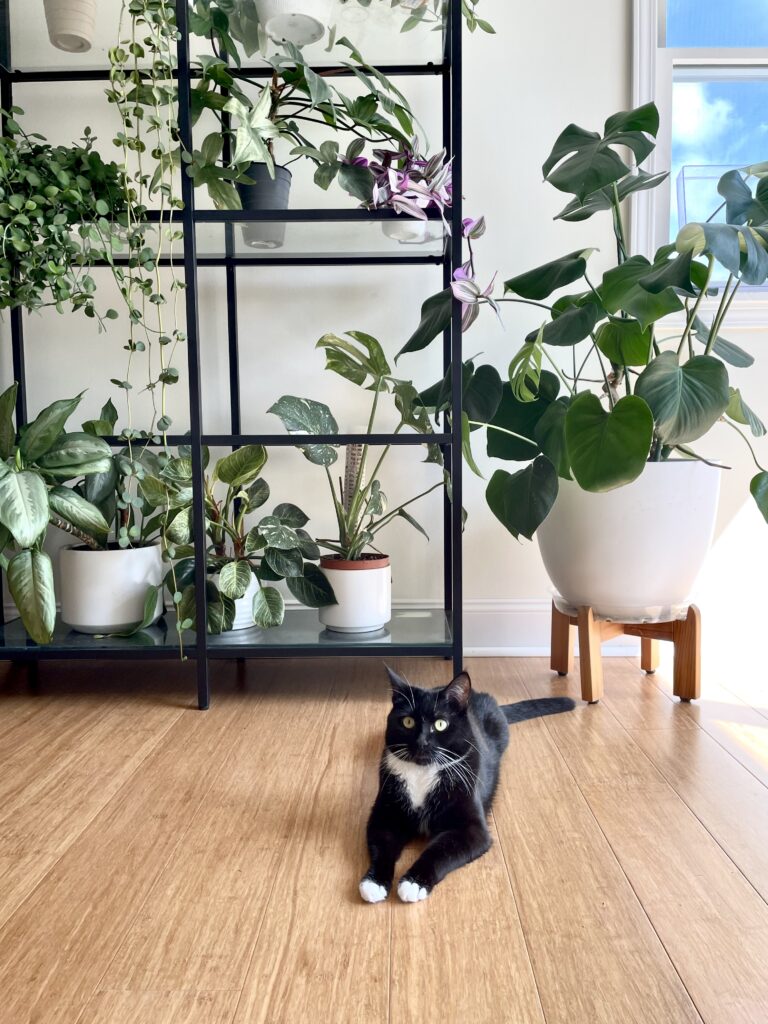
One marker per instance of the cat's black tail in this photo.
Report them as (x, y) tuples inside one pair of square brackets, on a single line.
[(525, 709)]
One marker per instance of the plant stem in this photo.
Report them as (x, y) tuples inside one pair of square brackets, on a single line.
[(699, 298), (502, 430), (720, 316), (747, 442)]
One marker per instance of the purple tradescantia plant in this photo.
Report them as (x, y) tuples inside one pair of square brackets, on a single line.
[(408, 182)]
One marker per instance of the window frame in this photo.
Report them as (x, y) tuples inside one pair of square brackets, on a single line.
[(654, 69)]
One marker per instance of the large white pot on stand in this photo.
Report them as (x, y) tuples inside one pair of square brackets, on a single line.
[(363, 590), (633, 554)]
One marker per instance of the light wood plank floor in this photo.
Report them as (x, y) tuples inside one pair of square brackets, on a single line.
[(159, 865)]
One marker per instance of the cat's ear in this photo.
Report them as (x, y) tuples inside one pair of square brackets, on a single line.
[(401, 688), (457, 692)]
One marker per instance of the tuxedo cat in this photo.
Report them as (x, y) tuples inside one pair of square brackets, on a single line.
[(437, 778)]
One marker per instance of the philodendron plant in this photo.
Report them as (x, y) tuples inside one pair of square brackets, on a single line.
[(36, 464), (275, 548), (359, 502), (663, 384)]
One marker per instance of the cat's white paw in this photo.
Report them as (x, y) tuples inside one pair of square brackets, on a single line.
[(411, 892), (371, 891)]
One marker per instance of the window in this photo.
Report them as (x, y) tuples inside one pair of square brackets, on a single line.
[(705, 63)]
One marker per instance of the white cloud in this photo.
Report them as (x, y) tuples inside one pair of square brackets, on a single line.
[(696, 120)]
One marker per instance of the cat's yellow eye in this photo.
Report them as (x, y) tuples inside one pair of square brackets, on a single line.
[(441, 725), (409, 722)]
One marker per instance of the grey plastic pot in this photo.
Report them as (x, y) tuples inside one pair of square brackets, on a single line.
[(266, 193)]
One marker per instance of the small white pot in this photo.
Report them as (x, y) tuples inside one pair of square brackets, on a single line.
[(633, 553), (363, 591), (70, 24), (244, 607), (411, 231), (104, 591), (300, 22)]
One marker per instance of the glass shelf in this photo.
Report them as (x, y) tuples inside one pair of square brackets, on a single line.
[(374, 30), (158, 641), (339, 241), (418, 630)]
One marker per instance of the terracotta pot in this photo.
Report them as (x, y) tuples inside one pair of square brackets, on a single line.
[(363, 590)]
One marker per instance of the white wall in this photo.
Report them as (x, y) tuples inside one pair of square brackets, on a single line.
[(540, 71)]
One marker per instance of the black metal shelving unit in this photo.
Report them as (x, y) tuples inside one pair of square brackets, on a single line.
[(413, 631)]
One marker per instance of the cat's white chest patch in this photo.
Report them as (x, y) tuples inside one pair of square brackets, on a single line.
[(417, 779)]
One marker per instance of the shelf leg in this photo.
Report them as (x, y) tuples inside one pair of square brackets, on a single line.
[(203, 685)]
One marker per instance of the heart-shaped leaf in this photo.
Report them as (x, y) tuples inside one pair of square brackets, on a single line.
[(514, 417), (607, 449), (569, 328), (685, 400), (625, 342), (291, 515), (521, 501), (621, 290)]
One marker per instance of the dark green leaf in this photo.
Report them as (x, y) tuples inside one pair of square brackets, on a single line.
[(521, 501), (607, 449), (759, 490), (550, 436), (288, 564), (685, 400), (312, 589), (625, 342), (520, 418), (435, 318), (539, 283)]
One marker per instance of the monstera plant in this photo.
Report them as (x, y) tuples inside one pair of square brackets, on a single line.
[(37, 464), (640, 387)]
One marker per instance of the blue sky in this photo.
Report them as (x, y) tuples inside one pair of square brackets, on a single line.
[(715, 124)]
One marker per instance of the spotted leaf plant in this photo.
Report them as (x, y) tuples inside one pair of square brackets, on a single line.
[(240, 550), (636, 371)]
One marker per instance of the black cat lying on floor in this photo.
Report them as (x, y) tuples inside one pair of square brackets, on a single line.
[(437, 778)]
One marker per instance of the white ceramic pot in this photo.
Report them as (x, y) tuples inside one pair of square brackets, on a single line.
[(410, 231), (300, 22), (363, 591), (104, 591), (633, 553), (244, 607), (70, 24)]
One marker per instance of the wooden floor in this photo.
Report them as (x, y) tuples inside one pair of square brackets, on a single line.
[(159, 865)]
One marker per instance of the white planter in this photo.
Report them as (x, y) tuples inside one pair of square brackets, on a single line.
[(70, 24), (244, 607), (363, 591), (410, 231), (104, 591), (300, 22), (633, 553)]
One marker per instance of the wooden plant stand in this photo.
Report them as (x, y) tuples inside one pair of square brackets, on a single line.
[(685, 634)]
